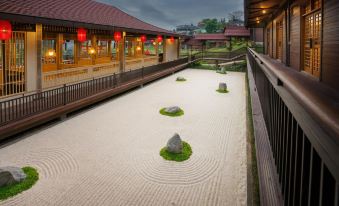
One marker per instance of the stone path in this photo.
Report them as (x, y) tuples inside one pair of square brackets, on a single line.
[(109, 155)]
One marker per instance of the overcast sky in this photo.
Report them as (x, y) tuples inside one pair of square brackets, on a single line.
[(170, 13)]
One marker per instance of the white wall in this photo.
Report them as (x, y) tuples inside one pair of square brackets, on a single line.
[(171, 50), (31, 62)]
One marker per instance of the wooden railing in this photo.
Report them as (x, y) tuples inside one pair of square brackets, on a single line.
[(305, 148), (16, 109), (66, 76), (241, 52), (72, 75)]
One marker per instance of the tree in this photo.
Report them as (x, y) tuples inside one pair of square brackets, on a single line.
[(235, 17), (211, 25)]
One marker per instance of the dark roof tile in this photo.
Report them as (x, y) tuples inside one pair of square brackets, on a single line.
[(82, 11)]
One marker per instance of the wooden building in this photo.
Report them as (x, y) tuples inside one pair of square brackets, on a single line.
[(297, 82), (59, 42), (236, 32)]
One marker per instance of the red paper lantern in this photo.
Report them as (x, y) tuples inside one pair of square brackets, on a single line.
[(82, 35), (172, 39), (117, 36), (143, 38), (5, 30), (159, 38)]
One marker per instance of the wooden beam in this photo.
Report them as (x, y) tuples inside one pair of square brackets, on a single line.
[(38, 31)]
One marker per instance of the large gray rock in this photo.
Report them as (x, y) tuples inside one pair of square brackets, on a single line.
[(181, 79), (172, 110), (11, 175), (223, 70), (222, 86), (174, 145)]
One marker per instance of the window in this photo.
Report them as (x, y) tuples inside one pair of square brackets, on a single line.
[(12, 66), (84, 47), (149, 47), (102, 47), (279, 30), (312, 38), (48, 51), (68, 52), (114, 47)]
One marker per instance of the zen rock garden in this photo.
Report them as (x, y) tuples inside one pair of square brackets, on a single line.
[(176, 149), (222, 88), (11, 175)]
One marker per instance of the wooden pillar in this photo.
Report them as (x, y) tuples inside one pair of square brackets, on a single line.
[(122, 58), (178, 47), (94, 46), (164, 49), (77, 48), (109, 52), (59, 42), (38, 31), (156, 47)]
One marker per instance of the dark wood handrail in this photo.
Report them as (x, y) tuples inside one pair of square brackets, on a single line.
[(318, 99), (312, 103)]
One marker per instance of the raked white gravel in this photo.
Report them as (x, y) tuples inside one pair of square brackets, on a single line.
[(109, 154)]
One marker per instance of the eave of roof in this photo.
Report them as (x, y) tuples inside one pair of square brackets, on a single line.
[(81, 12), (254, 17)]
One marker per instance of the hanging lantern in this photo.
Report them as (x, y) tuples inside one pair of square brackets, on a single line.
[(159, 38), (82, 35), (143, 38), (5, 30), (117, 36), (172, 39)]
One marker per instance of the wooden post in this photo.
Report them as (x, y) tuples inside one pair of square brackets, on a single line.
[(164, 49), (109, 51), (38, 31), (59, 42), (77, 49), (94, 46), (122, 59), (178, 47)]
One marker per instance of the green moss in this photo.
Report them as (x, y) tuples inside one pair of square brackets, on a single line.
[(32, 176), (181, 80), (185, 155), (222, 91), (220, 72), (163, 112)]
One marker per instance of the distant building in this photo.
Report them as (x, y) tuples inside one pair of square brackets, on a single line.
[(221, 39), (187, 29), (237, 32), (257, 35)]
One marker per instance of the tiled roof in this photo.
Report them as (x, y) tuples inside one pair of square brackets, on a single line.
[(218, 36), (82, 11), (194, 42), (236, 31)]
